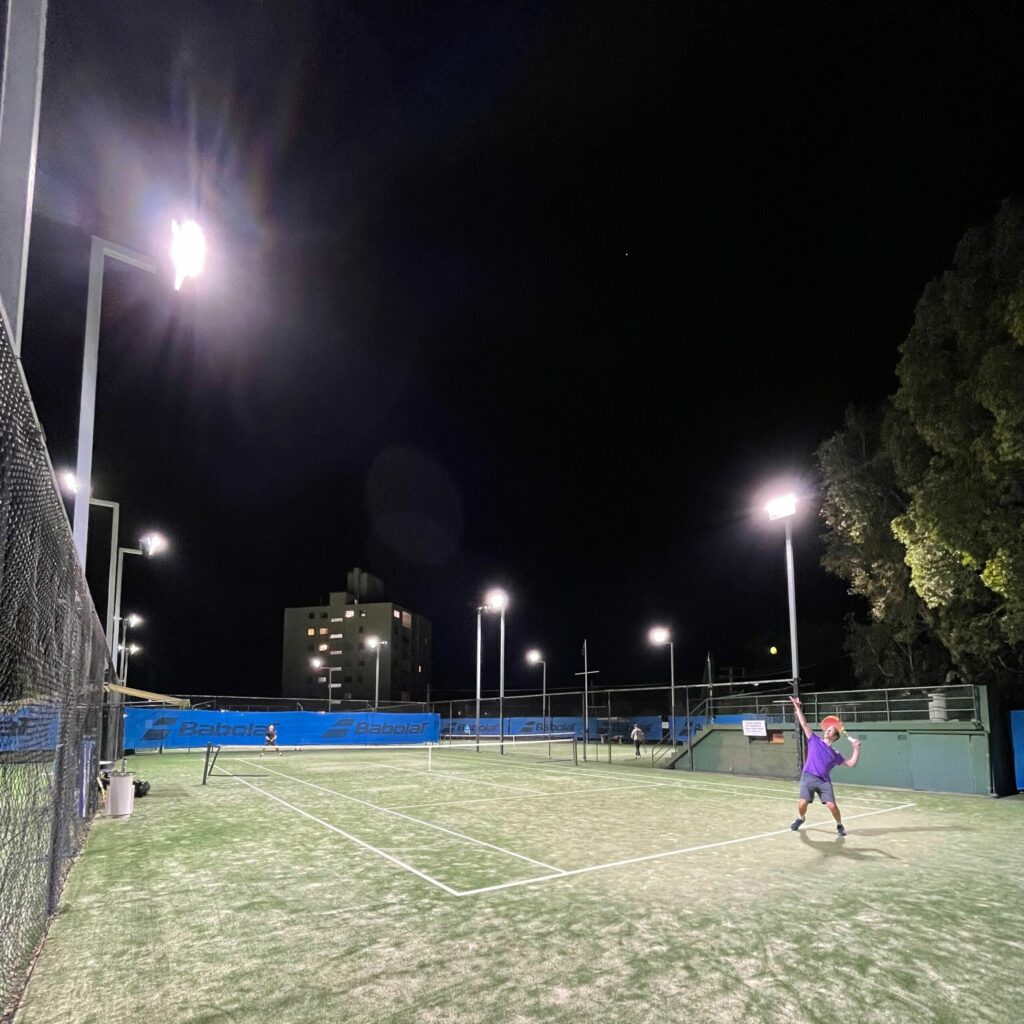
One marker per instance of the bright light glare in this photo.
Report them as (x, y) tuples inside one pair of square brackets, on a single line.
[(373, 642), (496, 600), (134, 648), (659, 635), (69, 482), (153, 543), (782, 507), (188, 251), (533, 657), (134, 620), (773, 649), (316, 662)]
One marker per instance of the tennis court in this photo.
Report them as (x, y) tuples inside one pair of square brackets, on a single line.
[(400, 885)]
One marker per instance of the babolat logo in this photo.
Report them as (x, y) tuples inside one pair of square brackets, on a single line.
[(13, 727), (189, 728), (350, 727), (160, 729)]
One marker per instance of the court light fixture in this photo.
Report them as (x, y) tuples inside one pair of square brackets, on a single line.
[(188, 251)]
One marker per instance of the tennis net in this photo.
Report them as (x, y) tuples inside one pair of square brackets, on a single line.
[(222, 762)]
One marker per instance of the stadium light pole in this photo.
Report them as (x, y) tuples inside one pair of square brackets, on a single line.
[(70, 485), (497, 601), (375, 644), (188, 253), (130, 649), (149, 545), (535, 657), (784, 507), (128, 622), (659, 636), (318, 663)]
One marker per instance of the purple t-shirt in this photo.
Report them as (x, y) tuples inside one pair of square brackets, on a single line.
[(821, 758)]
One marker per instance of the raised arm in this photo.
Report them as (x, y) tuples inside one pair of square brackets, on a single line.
[(852, 759), (798, 713)]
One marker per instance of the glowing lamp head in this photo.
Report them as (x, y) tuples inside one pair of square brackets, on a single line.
[(69, 481), (659, 635), (496, 600), (153, 544), (773, 649), (188, 250), (134, 620), (533, 657), (373, 642), (133, 648), (782, 507), (316, 662)]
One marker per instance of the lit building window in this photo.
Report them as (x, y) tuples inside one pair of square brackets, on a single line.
[(322, 647), (337, 636), (407, 620), (350, 614), (338, 619), (397, 614), (323, 631), (362, 615), (310, 631)]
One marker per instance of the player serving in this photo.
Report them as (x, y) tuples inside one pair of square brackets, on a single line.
[(821, 759)]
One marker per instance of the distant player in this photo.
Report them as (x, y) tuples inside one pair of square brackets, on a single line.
[(816, 777), (637, 736), (270, 741)]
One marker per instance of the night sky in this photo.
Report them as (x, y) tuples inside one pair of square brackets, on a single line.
[(532, 294)]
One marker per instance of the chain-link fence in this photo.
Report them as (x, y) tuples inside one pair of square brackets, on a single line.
[(52, 664)]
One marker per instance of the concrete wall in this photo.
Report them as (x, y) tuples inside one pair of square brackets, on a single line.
[(947, 757)]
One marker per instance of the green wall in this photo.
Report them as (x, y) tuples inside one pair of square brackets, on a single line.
[(945, 757)]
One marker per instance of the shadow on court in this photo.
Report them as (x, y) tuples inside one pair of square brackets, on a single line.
[(837, 846)]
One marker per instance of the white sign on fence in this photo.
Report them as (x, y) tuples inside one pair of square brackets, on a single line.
[(754, 727)]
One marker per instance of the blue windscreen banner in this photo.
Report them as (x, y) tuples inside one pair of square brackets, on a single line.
[(30, 731), (1017, 730), (170, 728)]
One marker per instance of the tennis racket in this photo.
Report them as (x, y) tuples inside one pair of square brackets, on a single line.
[(830, 721)]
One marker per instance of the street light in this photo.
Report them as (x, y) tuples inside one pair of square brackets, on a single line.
[(496, 600), (659, 636), (149, 545), (188, 253), (784, 507), (128, 622), (535, 657), (130, 649), (318, 663), (375, 644), (70, 484)]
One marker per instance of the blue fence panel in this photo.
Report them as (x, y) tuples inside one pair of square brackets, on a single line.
[(145, 728), (1017, 730)]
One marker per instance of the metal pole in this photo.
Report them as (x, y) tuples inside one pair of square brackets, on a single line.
[(586, 701), (479, 614), (791, 587), (608, 731), (21, 82), (689, 728), (672, 679), (121, 552), (376, 681), (501, 685), (544, 696), (87, 410)]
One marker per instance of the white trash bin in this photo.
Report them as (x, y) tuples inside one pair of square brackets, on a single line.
[(937, 708), (120, 794)]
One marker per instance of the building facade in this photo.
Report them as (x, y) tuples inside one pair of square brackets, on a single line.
[(329, 649)]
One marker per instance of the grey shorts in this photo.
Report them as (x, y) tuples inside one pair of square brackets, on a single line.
[(811, 784)]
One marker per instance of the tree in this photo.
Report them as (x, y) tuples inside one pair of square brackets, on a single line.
[(898, 645), (924, 497)]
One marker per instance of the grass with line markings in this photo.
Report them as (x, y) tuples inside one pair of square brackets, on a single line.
[(508, 891)]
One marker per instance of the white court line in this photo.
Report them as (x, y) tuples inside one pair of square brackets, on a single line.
[(553, 794), (419, 821), (683, 782), (659, 856), (359, 842)]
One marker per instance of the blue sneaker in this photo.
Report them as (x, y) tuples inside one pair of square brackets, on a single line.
[(796, 824), (841, 830)]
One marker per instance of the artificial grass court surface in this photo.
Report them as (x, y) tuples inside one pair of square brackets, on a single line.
[(290, 895)]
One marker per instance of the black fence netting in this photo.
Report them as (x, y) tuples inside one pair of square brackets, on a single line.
[(52, 664)]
